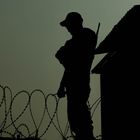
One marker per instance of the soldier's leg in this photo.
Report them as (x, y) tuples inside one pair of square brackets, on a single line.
[(85, 123), (80, 119)]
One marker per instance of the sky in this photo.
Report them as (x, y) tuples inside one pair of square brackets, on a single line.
[(30, 35)]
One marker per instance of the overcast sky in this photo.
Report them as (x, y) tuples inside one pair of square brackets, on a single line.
[(30, 35)]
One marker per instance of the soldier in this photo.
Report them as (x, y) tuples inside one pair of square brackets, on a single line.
[(76, 56)]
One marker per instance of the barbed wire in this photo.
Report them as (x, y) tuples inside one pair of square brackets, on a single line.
[(8, 112)]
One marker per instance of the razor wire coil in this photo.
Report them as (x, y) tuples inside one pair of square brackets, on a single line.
[(8, 112)]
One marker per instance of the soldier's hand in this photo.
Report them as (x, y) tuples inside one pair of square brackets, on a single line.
[(61, 93)]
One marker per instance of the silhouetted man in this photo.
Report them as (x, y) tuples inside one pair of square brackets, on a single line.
[(76, 56)]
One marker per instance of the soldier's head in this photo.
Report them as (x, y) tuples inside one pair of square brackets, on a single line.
[(73, 22)]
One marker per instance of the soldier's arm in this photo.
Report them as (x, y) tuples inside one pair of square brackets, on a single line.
[(62, 88)]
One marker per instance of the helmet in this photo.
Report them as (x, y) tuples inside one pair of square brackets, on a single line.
[(72, 18)]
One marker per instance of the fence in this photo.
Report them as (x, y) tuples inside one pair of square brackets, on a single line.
[(8, 122)]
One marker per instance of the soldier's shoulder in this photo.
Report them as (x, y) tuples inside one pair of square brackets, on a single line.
[(88, 31)]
